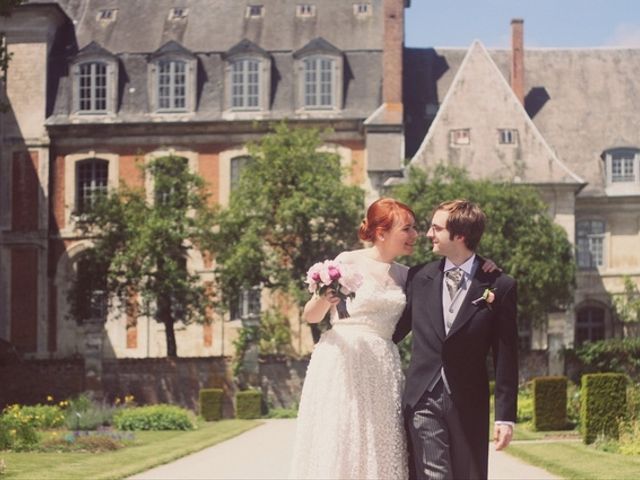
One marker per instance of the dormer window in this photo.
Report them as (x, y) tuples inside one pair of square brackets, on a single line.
[(362, 9), (255, 11), (622, 170), (320, 76), (247, 77), (94, 87), (318, 82), (507, 136), (461, 136), (306, 10), (172, 85), (107, 15), (178, 13), (172, 75), (245, 84)]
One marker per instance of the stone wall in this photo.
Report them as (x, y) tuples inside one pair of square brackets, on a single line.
[(173, 380)]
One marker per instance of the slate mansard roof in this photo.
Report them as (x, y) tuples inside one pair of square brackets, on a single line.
[(582, 101), (210, 29)]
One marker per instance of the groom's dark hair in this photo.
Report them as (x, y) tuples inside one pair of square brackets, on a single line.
[(466, 219)]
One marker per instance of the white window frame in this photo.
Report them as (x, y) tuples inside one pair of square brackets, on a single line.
[(305, 10), (362, 9), (591, 245), (507, 136), (246, 83), (323, 73), (622, 171), (249, 305), (189, 85), (98, 184), (174, 79), (460, 137), (109, 89), (70, 183)]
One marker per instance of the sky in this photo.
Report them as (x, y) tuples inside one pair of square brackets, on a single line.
[(547, 23)]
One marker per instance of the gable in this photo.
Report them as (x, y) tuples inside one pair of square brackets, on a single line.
[(481, 102)]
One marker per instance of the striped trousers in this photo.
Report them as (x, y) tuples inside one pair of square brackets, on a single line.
[(439, 447)]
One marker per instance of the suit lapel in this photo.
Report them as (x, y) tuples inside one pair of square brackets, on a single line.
[(467, 310), (430, 291)]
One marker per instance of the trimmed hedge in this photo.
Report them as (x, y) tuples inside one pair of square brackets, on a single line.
[(211, 403), (249, 404), (549, 403), (154, 417), (604, 401)]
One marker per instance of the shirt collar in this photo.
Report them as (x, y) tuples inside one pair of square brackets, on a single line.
[(466, 267)]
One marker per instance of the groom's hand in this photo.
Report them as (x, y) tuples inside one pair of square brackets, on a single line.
[(502, 435)]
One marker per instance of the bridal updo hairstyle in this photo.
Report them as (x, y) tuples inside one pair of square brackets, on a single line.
[(381, 215)]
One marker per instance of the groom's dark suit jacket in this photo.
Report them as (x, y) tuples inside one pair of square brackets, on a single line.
[(476, 330)]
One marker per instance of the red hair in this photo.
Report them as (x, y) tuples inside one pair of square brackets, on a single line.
[(381, 215)]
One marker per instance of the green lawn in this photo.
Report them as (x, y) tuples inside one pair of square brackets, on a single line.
[(150, 449), (574, 460)]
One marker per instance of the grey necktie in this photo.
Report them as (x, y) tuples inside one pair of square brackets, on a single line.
[(453, 279)]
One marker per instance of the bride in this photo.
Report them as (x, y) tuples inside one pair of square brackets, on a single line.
[(350, 421)]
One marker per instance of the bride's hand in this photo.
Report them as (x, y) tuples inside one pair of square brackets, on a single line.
[(331, 297), (489, 266), (318, 306)]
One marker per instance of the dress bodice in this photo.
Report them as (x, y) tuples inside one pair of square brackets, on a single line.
[(379, 301)]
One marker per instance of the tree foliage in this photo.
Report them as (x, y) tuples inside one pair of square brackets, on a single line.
[(627, 303), (140, 248), (289, 210), (520, 236)]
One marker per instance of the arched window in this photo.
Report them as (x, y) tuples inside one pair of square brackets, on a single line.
[(92, 177), (238, 164), (589, 325), (94, 88), (91, 292), (172, 71), (319, 72)]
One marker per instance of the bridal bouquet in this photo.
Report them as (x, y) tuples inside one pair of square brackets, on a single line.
[(341, 278)]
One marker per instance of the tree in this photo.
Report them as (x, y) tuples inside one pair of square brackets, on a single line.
[(520, 236), (140, 249), (289, 210), (6, 8), (627, 306)]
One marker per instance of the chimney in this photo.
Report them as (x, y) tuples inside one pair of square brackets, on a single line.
[(393, 11), (517, 58)]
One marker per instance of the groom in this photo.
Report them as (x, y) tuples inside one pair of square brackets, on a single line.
[(458, 313)]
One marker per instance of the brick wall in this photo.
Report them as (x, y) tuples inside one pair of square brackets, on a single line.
[(165, 380), (29, 382), (24, 298)]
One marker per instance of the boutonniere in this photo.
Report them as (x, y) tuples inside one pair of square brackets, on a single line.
[(487, 297)]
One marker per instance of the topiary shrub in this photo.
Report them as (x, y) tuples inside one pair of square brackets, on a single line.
[(549, 403), (604, 398), (211, 403), (249, 404), (154, 417)]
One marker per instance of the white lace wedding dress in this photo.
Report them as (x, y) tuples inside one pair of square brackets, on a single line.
[(350, 421)]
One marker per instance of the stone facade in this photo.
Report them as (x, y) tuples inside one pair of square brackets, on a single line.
[(556, 119), (86, 87)]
